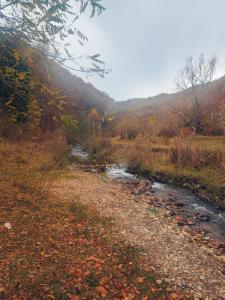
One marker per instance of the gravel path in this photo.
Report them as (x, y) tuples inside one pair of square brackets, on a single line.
[(182, 261)]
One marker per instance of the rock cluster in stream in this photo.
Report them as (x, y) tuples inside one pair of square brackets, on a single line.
[(92, 168), (142, 191), (192, 184), (141, 187)]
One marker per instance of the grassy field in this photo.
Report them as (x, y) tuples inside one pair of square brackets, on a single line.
[(207, 162)]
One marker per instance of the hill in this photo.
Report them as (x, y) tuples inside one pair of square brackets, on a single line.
[(214, 93), (79, 90)]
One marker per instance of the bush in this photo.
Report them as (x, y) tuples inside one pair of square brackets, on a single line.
[(100, 149)]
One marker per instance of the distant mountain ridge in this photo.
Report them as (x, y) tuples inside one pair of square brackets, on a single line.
[(214, 93), (88, 96)]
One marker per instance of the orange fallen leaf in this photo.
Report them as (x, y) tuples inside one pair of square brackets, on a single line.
[(174, 296), (154, 290), (102, 290), (140, 279), (131, 296), (93, 258), (51, 297)]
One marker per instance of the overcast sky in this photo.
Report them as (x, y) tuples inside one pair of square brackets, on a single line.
[(145, 42)]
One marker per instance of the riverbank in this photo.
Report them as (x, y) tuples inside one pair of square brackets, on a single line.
[(181, 260), (190, 183), (151, 158)]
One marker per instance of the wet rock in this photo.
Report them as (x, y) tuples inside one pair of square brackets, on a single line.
[(181, 221), (148, 193), (202, 217), (179, 204), (191, 223), (172, 213), (158, 204), (143, 187), (135, 192), (101, 169), (172, 199), (144, 183), (221, 247)]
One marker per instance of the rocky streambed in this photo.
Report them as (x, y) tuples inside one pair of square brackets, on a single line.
[(201, 217), (204, 218)]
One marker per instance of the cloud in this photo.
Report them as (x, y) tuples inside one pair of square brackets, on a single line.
[(146, 42)]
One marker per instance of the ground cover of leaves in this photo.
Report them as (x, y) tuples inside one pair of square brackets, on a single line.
[(58, 250), (181, 260)]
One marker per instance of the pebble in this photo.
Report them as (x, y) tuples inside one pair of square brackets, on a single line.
[(167, 280), (7, 225)]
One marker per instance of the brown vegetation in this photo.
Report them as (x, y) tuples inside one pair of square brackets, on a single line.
[(57, 250)]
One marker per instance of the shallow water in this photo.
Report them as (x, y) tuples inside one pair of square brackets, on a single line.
[(78, 152), (215, 227)]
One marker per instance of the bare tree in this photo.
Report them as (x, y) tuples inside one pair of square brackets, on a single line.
[(195, 75)]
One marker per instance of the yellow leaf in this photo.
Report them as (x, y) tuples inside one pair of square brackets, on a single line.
[(21, 76), (16, 55)]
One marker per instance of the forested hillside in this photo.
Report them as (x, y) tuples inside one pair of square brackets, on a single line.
[(169, 110), (215, 93)]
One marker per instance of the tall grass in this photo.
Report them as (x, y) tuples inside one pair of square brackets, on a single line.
[(185, 152), (30, 167)]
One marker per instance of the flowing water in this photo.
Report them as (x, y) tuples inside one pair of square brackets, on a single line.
[(78, 152), (190, 205)]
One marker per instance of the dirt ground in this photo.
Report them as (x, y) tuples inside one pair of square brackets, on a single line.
[(183, 262)]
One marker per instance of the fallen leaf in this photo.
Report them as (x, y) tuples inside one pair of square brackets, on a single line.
[(140, 279), (51, 297), (102, 290), (154, 290), (93, 258), (131, 296), (2, 290), (74, 297), (174, 296)]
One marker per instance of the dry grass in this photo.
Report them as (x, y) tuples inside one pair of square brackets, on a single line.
[(189, 153), (30, 166), (202, 158)]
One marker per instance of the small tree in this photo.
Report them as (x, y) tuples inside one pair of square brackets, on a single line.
[(195, 75), (46, 26), (15, 83)]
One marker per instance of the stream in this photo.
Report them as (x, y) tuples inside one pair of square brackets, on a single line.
[(200, 215)]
